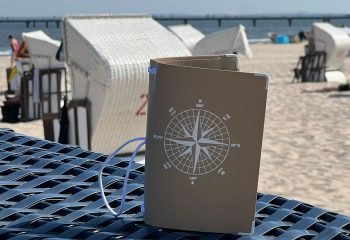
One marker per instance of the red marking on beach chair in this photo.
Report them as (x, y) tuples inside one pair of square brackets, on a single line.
[(143, 108)]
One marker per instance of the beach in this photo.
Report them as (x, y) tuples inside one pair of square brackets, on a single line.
[(306, 145)]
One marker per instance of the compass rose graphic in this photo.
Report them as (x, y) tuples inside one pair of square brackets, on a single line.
[(196, 141)]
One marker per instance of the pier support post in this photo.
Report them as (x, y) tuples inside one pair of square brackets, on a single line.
[(289, 22), (254, 22), (219, 22)]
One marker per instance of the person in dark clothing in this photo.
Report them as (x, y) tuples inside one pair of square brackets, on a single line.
[(302, 36), (64, 124)]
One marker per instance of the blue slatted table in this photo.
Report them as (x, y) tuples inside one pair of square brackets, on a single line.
[(50, 191)]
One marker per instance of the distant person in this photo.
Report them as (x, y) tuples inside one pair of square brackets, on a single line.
[(14, 47), (302, 36)]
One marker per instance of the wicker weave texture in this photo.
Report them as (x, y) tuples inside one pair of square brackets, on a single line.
[(50, 191), (108, 58)]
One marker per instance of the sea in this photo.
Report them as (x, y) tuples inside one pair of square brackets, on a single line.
[(260, 31)]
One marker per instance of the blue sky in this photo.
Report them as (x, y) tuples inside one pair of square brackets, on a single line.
[(234, 7)]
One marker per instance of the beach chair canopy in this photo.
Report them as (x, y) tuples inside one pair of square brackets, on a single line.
[(108, 57), (332, 40), (335, 43), (42, 50), (231, 40), (188, 34)]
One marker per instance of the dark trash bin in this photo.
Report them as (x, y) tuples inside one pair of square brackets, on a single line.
[(10, 112)]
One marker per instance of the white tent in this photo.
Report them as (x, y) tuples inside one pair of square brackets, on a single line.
[(108, 57), (231, 40), (336, 43), (188, 34), (42, 50)]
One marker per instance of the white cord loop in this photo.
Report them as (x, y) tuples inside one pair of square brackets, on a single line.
[(143, 139)]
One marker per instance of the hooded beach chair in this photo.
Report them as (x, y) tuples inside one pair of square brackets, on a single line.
[(324, 55), (188, 34), (231, 40), (108, 57), (44, 91)]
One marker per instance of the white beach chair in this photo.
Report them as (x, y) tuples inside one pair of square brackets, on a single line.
[(335, 42), (42, 50), (188, 34), (231, 40), (108, 57), (48, 74)]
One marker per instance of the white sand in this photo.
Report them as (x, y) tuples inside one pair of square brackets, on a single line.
[(306, 148)]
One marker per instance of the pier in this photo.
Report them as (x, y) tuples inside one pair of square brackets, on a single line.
[(253, 18), (32, 22)]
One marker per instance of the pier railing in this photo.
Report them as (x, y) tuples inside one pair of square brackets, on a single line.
[(32, 22)]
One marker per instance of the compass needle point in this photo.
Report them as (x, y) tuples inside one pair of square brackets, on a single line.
[(206, 152), (187, 134)]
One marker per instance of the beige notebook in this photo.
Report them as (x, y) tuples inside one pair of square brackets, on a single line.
[(204, 135)]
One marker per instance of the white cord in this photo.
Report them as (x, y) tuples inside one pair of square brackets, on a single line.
[(143, 139)]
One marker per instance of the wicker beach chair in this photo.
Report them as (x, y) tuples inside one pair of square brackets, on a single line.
[(43, 92), (231, 40), (188, 34), (108, 57), (325, 53)]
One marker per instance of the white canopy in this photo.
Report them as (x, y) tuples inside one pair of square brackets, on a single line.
[(188, 34), (336, 43), (42, 50), (231, 40), (108, 57)]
